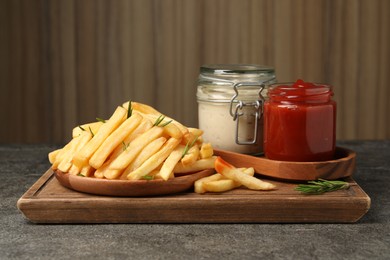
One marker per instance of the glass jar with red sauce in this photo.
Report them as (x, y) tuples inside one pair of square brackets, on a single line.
[(300, 122)]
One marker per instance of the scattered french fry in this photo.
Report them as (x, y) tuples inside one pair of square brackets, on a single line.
[(199, 188), (235, 174), (226, 185)]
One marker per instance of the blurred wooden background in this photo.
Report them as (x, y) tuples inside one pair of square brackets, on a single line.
[(67, 62)]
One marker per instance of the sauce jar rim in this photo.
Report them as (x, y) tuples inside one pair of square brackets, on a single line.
[(287, 92), (223, 69)]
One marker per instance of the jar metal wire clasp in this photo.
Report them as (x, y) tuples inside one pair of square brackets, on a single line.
[(237, 111)]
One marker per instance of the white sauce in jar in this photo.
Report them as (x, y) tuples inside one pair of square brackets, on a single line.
[(215, 94)]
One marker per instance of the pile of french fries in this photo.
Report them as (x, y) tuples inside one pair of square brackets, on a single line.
[(136, 142)]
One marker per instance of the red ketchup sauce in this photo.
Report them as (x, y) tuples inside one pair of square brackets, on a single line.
[(300, 122)]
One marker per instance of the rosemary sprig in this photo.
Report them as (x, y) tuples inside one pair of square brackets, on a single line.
[(129, 110), (148, 177), (321, 186), (125, 145), (159, 120), (82, 128), (100, 120), (166, 123), (91, 131), (79, 174), (188, 146)]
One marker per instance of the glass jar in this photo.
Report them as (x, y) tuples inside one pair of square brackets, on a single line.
[(230, 103), (300, 122)]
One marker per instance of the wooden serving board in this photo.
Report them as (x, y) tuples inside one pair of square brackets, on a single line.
[(49, 202)]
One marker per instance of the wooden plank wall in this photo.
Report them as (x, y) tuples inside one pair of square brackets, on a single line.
[(63, 63)]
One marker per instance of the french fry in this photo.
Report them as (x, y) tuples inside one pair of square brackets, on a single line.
[(206, 151), (111, 173), (87, 171), (146, 153), (135, 147), (170, 163), (220, 185), (64, 152), (81, 157), (235, 174), (195, 131), (173, 131), (153, 114), (155, 160), (52, 155), (74, 170), (199, 188), (144, 126), (94, 126), (191, 156), (113, 140), (78, 143), (199, 165), (226, 185)]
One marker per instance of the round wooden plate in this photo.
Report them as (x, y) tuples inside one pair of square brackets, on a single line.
[(342, 166), (130, 188)]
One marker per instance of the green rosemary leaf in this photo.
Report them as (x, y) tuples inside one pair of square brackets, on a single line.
[(91, 131), (321, 186), (100, 120), (129, 110), (159, 120), (166, 123), (125, 145), (188, 146), (82, 128), (79, 174), (148, 177)]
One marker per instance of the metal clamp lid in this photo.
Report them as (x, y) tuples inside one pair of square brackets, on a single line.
[(258, 105)]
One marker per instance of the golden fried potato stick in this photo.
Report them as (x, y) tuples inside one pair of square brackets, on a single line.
[(81, 157), (206, 151), (225, 184), (79, 142), (191, 156), (52, 155), (166, 170), (216, 186), (144, 126), (155, 160), (235, 174), (114, 139), (199, 188), (199, 165)]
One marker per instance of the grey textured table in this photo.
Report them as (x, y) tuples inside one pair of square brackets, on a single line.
[(22, 165)]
